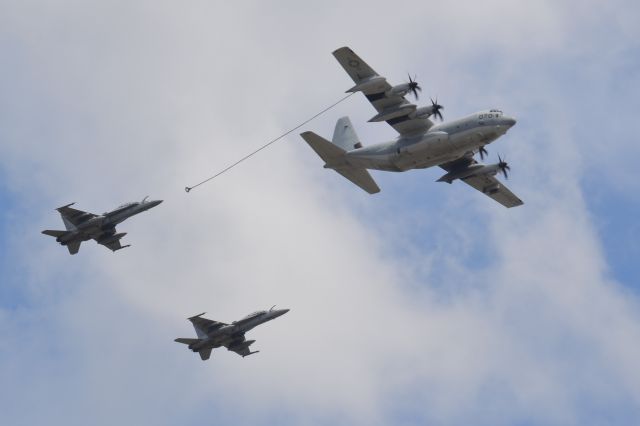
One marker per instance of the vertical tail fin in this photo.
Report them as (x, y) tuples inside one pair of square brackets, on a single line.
[(74, 246), (345, 136)]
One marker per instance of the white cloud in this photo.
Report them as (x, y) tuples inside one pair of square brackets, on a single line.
[(117, 101)]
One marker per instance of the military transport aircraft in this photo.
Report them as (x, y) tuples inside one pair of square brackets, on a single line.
[(421, 143), (214, 334), (82, 226)]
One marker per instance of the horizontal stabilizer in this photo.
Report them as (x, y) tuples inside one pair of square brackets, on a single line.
[(360, 177), (196, 316), (329, 152), (54, 233), (186, 340), (68, 205), (333, 156)]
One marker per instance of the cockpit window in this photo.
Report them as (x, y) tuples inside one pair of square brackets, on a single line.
[(255, 314)]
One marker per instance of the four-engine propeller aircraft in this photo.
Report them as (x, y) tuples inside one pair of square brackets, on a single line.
[(421, 143), (214, 334), (82, 226)]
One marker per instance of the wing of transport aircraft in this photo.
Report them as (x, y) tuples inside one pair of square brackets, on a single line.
[(487, 184), (394, 109)]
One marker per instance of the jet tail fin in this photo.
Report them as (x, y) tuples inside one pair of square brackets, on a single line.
[(74, 246), (205, 354)]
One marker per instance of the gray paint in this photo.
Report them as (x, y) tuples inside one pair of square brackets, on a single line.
[(214, 334), (83, 226)]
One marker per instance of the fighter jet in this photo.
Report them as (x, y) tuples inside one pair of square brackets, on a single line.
[(420, 144), (214, 334), (82, 226)]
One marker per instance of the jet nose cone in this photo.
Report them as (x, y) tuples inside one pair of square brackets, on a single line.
[(154, 203), (509, 121), (279, 312)]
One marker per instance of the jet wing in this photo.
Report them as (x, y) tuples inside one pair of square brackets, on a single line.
[(74, 216), (487, 184), (374, 87), (205, 324)]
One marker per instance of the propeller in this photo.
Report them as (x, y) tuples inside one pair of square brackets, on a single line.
[(436, 109), (414, 87), (482, 152), (503, 166)]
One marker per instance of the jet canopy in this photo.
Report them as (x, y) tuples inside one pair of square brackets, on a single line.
[(254, 314), (125, 205)]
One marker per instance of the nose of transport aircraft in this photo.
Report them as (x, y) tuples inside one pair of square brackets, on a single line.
[(509, 121)]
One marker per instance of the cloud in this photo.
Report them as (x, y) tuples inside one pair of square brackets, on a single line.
[(425, 303)]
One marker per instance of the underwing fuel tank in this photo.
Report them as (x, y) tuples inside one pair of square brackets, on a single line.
[(434, 141), (112, 238)]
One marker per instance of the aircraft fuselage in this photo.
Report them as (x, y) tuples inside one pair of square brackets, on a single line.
[(225, 335), (440, 144), (105, 223)]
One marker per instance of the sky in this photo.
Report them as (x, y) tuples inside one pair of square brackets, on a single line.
[(424, 304)]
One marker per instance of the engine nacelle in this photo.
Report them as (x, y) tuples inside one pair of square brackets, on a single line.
[(394, 112), (423, 112), (467, 172), (491, 189), (399, 90), (369, 85)]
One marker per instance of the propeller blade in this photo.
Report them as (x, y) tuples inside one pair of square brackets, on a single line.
[(414, 87), (482, 151), (504, 166), (436, 109)]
